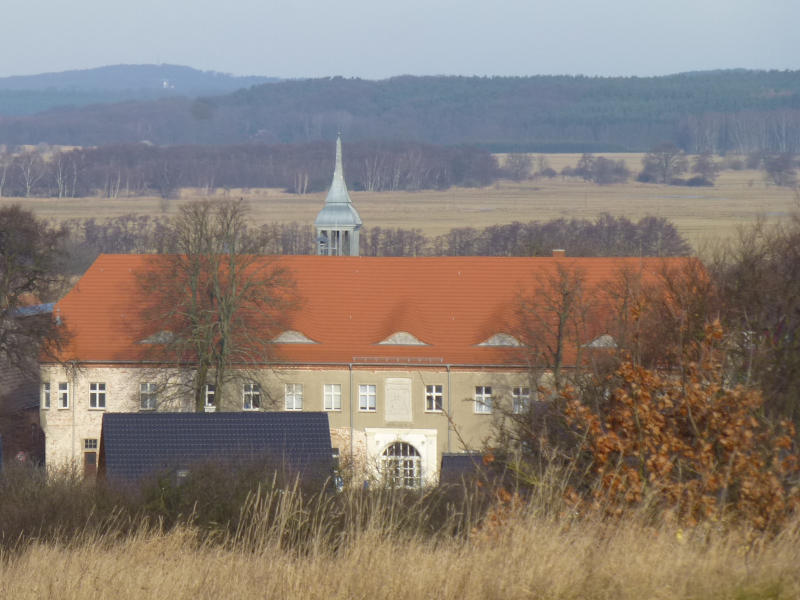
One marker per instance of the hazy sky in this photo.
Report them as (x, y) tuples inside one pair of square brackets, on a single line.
[(377, 38)]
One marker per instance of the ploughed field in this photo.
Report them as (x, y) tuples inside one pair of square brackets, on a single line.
[(701, 214)]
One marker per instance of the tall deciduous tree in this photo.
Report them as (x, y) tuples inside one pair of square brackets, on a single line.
[(553, 320), (215, 304), (781, 169), (759, 280), (663, 164), (29, 270)]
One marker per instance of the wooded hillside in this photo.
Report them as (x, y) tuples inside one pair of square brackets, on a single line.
[(719, 111)]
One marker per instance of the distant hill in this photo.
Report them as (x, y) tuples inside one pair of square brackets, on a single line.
[(29, 94), (720, 111)]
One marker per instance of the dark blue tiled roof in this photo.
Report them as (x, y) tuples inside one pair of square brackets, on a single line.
[(137, 445), (457, 468)]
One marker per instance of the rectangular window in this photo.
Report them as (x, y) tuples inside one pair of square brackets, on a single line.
[(251, 396), (520, 399), (63, 394), (293, 394), (90, 457), (433, 398), (97, 395), (367, 396), (210, 394), (147, 396), (483, 399), (46, 394), (332, 393)]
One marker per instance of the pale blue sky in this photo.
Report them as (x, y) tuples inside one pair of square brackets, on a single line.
[(377, 39)]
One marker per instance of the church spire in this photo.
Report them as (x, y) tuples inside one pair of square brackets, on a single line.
[(338, 223), (338, 191)]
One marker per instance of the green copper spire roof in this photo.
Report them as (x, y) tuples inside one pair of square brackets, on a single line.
[(338, 210), (338, 191)]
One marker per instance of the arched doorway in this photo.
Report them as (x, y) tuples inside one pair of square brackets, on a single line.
[(401, 465)]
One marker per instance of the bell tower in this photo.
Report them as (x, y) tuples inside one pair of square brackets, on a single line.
[(338, 223)]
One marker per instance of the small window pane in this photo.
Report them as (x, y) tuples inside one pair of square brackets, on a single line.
[(483, 399), (333, 396), (433, 398), (210, 394), (520, 397), (147, 396), (293, 394), (251, 396), (367, 397), (46, 395), (97, 395), (63, 394)]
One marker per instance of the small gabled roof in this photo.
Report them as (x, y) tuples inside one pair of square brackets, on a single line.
[(134, 446)]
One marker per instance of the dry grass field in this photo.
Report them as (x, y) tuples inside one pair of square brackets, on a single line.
[(533, 556), (701, 214)]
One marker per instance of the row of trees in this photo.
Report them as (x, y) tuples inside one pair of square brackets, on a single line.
[(144, 169), (604, 236), (664, 164)]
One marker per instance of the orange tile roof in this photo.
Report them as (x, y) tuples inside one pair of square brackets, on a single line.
[(349, 304)]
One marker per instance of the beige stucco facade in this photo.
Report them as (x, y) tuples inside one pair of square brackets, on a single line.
[(369, 406)]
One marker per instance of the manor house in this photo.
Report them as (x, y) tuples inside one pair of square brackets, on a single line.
[(409, 357)]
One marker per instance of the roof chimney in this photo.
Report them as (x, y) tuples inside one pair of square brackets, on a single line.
[(559, 253)]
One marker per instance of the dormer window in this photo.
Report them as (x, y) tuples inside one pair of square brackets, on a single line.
[(603, 341), (291, 336), (402, 338), (162, 337), (501, 339)]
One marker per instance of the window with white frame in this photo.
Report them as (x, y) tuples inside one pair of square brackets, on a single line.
[(433, 398), (63, 394), (147, 396), (90, 457), (332, 395), (520, 399), (401, 465), (46, 394), (210, 395), (483, 399), (293, 396), (367, 396), (97, 395), (251, 396)]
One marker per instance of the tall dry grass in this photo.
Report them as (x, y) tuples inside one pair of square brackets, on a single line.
[(285, 543), (535, 556)]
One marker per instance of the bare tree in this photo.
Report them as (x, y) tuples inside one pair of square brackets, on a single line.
[(31, 168), (663, 164), (553, 320), (704, 167), (781, 169), (759, 280), (517, 167), (215, 304)]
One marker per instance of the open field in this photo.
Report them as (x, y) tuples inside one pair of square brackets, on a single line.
[(702, 214), (531, 557)]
